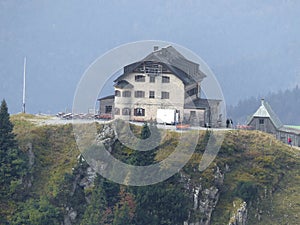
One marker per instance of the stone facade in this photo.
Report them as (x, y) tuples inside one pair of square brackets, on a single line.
[(148, 96)]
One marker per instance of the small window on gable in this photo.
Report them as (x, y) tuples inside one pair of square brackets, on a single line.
[(139, 78), (261, 121), (165, 79)]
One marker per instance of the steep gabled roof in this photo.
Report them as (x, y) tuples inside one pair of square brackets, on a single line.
[(184, 69), (171, 56), (265, 111)]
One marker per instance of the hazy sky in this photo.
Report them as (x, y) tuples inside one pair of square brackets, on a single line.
[(253, 47)]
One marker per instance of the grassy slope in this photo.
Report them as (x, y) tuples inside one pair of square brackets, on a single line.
[(252, 156), (55, 152), (260, 159)]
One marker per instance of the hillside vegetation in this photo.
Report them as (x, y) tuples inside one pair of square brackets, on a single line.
[(61, 188)]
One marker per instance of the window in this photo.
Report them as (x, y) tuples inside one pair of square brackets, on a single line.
[(139, 94), (117, 111), (193, 113), (126, 94), (139, 78), (139, 112), (108, 109), (151, 94), (117, 93), (153, 69), (152, 79), (126, 111), (165, 95), (165, 79), (261, 121)]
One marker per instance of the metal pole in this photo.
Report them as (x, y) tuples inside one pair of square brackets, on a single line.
[(24, 86)]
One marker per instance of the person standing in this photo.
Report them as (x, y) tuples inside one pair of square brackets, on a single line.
[(231, 123), (227, 123), (290, 141)]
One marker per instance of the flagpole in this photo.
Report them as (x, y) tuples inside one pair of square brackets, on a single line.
[(24, 86)]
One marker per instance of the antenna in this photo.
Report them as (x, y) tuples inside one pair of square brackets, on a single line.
[(24, 86)]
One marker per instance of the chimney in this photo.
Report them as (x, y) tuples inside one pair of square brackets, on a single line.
[(262, 101), (155, 48)]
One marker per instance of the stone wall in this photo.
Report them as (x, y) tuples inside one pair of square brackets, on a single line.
[(175, 101)]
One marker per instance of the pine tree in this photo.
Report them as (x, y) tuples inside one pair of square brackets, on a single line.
[(143, 158), (7, 137), (12, 159), (125, 209), (145, 131), (97, 212), (36, 212), (163, 203)]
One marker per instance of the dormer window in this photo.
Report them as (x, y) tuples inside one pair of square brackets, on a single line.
[(139, 78)]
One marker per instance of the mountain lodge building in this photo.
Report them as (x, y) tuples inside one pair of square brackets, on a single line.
[(164, 82)]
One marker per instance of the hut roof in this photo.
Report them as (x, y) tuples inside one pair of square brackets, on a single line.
[(265, 111)]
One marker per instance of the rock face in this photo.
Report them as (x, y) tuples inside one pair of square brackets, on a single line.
[(70, 217), (30, 154), (84, 178), (87, 180), (31, 159), (106, 137), (205, 200), (240, 216)]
